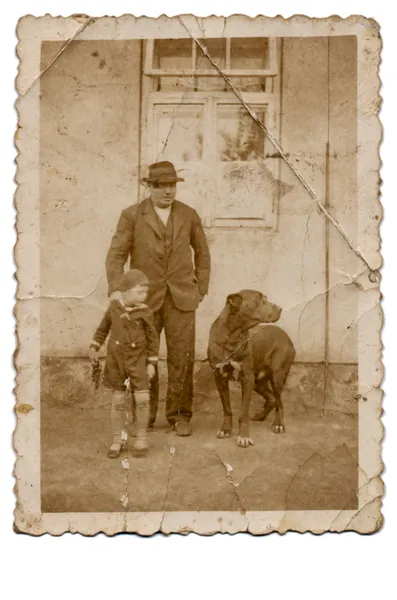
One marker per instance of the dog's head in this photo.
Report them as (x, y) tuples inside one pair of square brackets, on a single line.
[(252, 306)]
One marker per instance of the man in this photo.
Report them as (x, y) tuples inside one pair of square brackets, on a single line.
[(158, 235)]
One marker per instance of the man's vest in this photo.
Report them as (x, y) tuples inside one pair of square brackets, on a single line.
[(166, 233)]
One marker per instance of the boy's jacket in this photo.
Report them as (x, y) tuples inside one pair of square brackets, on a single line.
[(129, 328)]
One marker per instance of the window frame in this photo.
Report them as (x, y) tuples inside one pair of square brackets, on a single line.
[(255, 100), (272, 71), (209, 101), (270, 98)]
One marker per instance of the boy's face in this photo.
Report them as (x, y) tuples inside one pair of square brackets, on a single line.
[(136, 294)]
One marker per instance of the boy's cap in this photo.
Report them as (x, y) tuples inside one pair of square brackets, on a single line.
[(131, 279)]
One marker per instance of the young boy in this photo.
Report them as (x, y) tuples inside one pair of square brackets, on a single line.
[(131, 354)]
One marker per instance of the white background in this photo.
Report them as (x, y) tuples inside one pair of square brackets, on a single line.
[(241, 566)]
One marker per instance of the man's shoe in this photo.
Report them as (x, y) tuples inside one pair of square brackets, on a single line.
[(183, 428), (115, 450)]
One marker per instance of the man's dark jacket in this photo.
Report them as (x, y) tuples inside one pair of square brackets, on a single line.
[(140, 235)]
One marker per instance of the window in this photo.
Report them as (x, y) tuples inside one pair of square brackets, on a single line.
[(193, 119), (240, 154), (238, 137), (179, 132), (180, 63)]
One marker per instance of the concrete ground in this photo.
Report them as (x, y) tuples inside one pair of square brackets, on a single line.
[(312, 466)]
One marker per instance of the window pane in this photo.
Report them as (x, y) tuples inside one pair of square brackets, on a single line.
[(175, 84), (173, 55), (238, 137), (245, 184), (179, 132), (216, 48), (214, 84), (249, 53), (245, 191), (249, 84)]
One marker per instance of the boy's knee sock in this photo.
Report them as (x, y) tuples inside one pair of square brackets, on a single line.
[(142, 418), (118, 419)]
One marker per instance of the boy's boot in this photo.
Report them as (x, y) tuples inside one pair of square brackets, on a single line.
[(117, 417), (142, 400)]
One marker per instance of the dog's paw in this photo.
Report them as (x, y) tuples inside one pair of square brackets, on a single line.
[(224, 433), (244, 442), (278, 428), (226, 428)]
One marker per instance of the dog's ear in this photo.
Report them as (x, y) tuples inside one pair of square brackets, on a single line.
[(234, 301)]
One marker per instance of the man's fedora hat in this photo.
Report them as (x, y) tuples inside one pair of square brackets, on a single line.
[(162, 172)]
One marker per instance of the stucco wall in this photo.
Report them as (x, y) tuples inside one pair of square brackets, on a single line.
[(93, 119), (89, 154), (343, 203)]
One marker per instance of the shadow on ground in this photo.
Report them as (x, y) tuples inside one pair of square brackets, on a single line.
[(313, 466)]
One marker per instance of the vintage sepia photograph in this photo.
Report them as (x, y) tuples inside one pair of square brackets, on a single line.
[(198, 256)]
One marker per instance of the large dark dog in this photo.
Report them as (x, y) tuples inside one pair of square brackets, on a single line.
[(241, 347)]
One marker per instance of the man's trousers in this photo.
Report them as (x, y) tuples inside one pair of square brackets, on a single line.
[(179, 329)]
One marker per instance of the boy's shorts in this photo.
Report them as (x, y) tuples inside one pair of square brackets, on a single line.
[(120, 366)]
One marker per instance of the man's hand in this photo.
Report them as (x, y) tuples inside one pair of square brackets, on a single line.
[(92, 354), (151, 371), (116, 296)]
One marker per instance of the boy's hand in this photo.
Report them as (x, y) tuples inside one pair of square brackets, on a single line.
[(151, 371)]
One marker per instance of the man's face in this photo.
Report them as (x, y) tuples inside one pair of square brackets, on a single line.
[(163, 194)]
